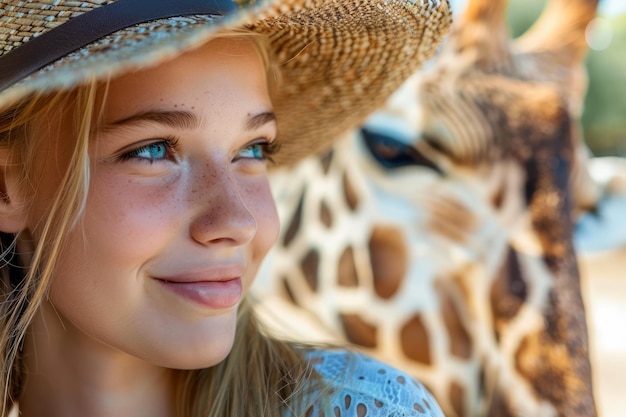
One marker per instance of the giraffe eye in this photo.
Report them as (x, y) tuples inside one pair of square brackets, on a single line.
[(391, 153)]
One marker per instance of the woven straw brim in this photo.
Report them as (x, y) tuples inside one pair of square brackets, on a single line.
[(339, 60)]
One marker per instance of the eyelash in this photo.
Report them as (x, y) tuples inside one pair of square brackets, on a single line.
[(170, 144), (269, 148)]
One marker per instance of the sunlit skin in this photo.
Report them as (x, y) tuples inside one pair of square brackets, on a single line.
[(178, 199)]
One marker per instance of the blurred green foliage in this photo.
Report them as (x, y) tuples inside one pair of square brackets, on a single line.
[(604, 118)]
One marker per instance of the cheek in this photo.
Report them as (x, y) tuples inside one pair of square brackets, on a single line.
[(125, 224), (120, 212)]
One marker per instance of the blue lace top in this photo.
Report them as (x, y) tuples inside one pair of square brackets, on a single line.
[(364, 387)]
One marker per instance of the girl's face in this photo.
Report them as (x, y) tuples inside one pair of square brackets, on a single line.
[(179, 213)]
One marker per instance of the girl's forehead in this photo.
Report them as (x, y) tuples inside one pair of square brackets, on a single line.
[(219, 73)]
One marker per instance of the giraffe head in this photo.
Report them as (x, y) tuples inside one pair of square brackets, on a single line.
[(489, 98), (490, 103)]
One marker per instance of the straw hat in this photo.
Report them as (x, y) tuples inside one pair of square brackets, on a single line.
[(340, 59)]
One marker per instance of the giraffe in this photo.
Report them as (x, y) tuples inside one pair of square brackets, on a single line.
[(522, 101), (443, 245)]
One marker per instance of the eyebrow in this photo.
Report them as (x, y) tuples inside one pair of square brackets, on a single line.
[(180, 119), (174, 119), (258, 120)]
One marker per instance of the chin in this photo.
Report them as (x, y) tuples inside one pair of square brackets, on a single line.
[(192, 360), (202, 361), (204, 349)]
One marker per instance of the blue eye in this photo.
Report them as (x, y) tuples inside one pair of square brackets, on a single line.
[(154, 151), (253, 151)]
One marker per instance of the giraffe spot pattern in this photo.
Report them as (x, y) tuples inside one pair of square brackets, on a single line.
[(326, 218), (358, 331), (346, 269), (457, 394), (288, 291), (326, 161), (349, 193), (508, 292), (309, 267), (497, 199), (459, 338), (389, 257), (452, 219), (559, 379), (414, 341), (294, 224)]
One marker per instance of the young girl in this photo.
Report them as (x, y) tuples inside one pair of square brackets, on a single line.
[(135, 208)]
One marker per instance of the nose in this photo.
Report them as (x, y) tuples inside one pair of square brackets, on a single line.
[(224, 216)]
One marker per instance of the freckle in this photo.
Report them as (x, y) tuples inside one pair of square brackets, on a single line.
[(175, 105)]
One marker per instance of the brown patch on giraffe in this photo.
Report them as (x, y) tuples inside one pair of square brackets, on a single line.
[(450, 218), (414, 341), (508, 292), (325, 161), (294, 224), (460, 282), (288, 291), (498, 198), (498, 407), (489, 389), (346, 273), (457, 398), (352, 199), (358, 331), (459, 338), (325, 216), (482, 379), (553, 371), (309, 267), (389, 257)]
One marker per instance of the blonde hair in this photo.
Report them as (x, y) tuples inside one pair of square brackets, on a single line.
[(275, 369)]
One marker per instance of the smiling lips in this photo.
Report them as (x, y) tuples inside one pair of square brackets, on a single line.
[(220, 291)]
